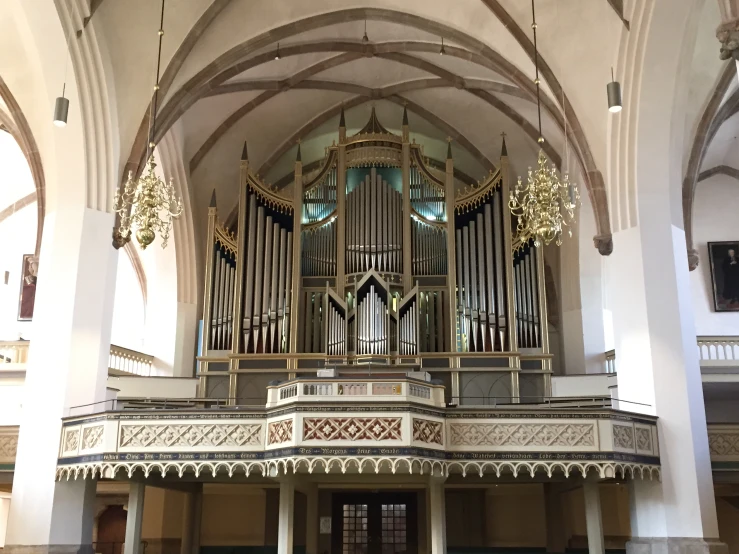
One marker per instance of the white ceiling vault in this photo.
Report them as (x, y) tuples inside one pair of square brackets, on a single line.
[(222, 84)]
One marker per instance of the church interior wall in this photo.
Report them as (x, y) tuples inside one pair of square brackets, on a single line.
[(17, 236), (714, 220)]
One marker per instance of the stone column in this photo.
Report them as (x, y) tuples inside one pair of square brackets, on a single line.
[(311, 524), (197, 519), (67, 367), (4, 509), (556, 541), (188, 519), (134, 518), (593, 517), (286, 516), (437, 511)]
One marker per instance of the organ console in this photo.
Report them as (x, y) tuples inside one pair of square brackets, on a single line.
[(375, 258)]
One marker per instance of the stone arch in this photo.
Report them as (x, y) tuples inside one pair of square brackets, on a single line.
[(17, 125), (214, 74), (714, 115)]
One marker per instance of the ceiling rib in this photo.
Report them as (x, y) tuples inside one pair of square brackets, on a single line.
[(445, 78)]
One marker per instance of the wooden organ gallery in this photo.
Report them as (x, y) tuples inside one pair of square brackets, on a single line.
[(374, 260)]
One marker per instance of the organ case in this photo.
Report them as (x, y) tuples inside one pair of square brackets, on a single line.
[(376, 256)]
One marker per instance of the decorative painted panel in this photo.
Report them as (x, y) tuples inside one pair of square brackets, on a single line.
[(643, 437), (190, 434), (71, 442), (92, 437), (522, 434), (352, 428), (280, 431), (8, 448), (430, 432), (623, 437), (724, 443)]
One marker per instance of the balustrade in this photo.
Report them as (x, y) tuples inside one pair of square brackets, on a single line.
[(129, 361), (354, 390), (13, 354), (714, 351)]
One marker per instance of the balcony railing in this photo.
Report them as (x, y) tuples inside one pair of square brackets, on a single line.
[(713, 352), (610, 361), (14, 356), (129, 361), (718, 351)]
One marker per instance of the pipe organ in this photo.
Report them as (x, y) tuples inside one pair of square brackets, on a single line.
[(374, 257), (374, 226)]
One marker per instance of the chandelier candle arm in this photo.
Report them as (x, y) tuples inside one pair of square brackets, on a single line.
[(148, 203), (546, 204)]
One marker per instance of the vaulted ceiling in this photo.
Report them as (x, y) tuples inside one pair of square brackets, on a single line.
[(222, 84)]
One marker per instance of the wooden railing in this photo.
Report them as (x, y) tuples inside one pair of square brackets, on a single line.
[(714, 351), (129, 361)]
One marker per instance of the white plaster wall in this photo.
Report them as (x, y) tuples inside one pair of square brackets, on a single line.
[(722, 411), (715, 218), (129, 313), (153, 387), (11, 400), (4, 511), (582, 385), (17, 236)]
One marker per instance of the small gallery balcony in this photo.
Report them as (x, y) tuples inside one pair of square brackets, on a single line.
[(347, 425)]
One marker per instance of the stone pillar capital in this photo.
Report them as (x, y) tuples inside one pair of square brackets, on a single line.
[(728, 35)]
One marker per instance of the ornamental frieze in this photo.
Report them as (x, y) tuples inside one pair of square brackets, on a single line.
[(522, 434), (429, 432), (352, 428), (190, 435)]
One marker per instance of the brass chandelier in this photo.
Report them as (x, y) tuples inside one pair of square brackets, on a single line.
[(148, 203), (545, 204)]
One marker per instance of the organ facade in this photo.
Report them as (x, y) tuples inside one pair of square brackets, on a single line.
[(377, 258)]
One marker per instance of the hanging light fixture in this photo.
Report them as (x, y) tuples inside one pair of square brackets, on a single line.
[(61, 105), (441, 50), (614, 95), (546, 204), (148, 203), (277, 54), (61, 109), (365, 38)]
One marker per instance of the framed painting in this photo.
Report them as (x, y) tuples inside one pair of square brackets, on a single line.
[(28, 288), (724, 262)]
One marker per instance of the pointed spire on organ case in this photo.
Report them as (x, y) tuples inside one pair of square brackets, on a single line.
[(212, 199), (244, 154)]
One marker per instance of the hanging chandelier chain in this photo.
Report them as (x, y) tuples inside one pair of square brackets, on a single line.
[(545, 204), (155, 101), (148, 203), (536, 66)]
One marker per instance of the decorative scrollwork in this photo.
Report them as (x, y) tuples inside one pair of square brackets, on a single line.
[(269, 195), (226, 239), (472, 197), (371, 464)]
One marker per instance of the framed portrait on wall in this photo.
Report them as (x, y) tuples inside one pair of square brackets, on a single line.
[(28, 287), (724, 262)]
